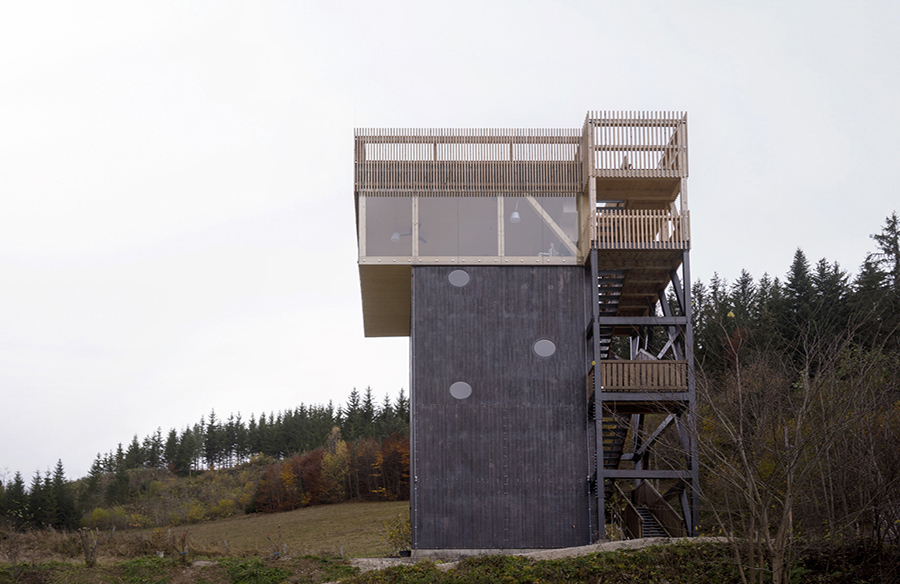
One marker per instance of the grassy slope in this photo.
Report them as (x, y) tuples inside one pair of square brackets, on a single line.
[(321, 530)]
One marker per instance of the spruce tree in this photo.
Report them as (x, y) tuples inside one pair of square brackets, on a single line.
[(744, 300), (402, 409), (134, 456), (37, 501), (91, 493), (66, 511), (888, 256), (352, 414), (830, 310), (368, 414), (212, 443), (17, 503)]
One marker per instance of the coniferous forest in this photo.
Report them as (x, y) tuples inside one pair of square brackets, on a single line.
[(278, 461), (798, 383)]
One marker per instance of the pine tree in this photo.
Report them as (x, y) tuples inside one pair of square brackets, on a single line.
[(888, 256), (118, 491), (353, 421), (212, 443), (796, 310), (152, 448), (170, 452), (798, 289), (253, 440), (241, 441), (402, 410), (769, 302), (90, 493), (744, 300), (37, 501), (368, 414), (134, 456), (830, 311), (17, 503), (385, 420), (118, 459), (66, 511)]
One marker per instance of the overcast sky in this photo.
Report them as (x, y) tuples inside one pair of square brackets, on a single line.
[(176, 196)]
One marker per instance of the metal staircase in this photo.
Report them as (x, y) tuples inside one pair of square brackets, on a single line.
[(609, 290), (650, 527), (614, 431)]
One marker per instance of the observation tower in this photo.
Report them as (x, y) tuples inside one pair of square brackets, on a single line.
[(543, 278)]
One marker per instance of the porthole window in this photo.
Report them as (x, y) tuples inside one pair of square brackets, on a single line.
[(459, 278), (544, 348), (460, 390)]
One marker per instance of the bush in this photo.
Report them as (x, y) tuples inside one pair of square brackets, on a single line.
[(253, 571), (224, 508), (398, 533), (195, 513)]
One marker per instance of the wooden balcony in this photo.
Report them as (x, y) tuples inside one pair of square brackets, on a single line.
[(644, 376), (647, 145), (640, 229)]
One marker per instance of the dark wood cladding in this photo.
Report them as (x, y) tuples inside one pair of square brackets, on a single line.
[(505, 468)]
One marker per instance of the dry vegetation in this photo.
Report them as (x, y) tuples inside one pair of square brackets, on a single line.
[(356, 529)]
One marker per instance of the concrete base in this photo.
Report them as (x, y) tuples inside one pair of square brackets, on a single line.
[(455, 554)]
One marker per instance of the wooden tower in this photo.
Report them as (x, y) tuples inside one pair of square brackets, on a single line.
[(542, 276)]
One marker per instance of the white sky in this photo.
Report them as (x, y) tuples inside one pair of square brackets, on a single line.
[(176, 215)]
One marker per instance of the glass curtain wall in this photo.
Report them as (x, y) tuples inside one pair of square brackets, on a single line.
[(469, 227)]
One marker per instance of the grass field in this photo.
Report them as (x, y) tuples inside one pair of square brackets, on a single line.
[(356, 529), (324, 530)]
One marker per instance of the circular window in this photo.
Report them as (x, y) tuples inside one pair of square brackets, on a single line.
[(544, 348), (459, 278), (460, 390)]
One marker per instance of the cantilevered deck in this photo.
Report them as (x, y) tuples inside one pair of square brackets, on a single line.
[(520, 197)]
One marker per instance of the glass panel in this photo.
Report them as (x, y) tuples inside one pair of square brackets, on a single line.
[(438, 226), (478, 226), (541, 230), (564, 216), (388, 226), (522, 228)]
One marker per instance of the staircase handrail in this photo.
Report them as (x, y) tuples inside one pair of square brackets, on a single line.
[(631, 523), (669, 519)]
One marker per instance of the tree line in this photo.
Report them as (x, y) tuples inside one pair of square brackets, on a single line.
[(364, 470), (799, 411), (214, 443), (812, 302), (50, 500)]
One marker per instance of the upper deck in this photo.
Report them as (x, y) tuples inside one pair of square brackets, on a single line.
[(516, 197)]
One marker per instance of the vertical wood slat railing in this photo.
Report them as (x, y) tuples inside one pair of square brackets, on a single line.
[(636, 144), (644, 375), (640, 229), (468, 162)]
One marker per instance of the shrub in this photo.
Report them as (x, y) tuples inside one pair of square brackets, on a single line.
[(398, 533), (224, 508), (195, 513)]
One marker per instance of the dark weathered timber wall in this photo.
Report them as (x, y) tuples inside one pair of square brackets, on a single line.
[(507, 466)]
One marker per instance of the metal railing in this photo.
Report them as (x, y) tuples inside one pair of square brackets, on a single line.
[(669, 519)]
